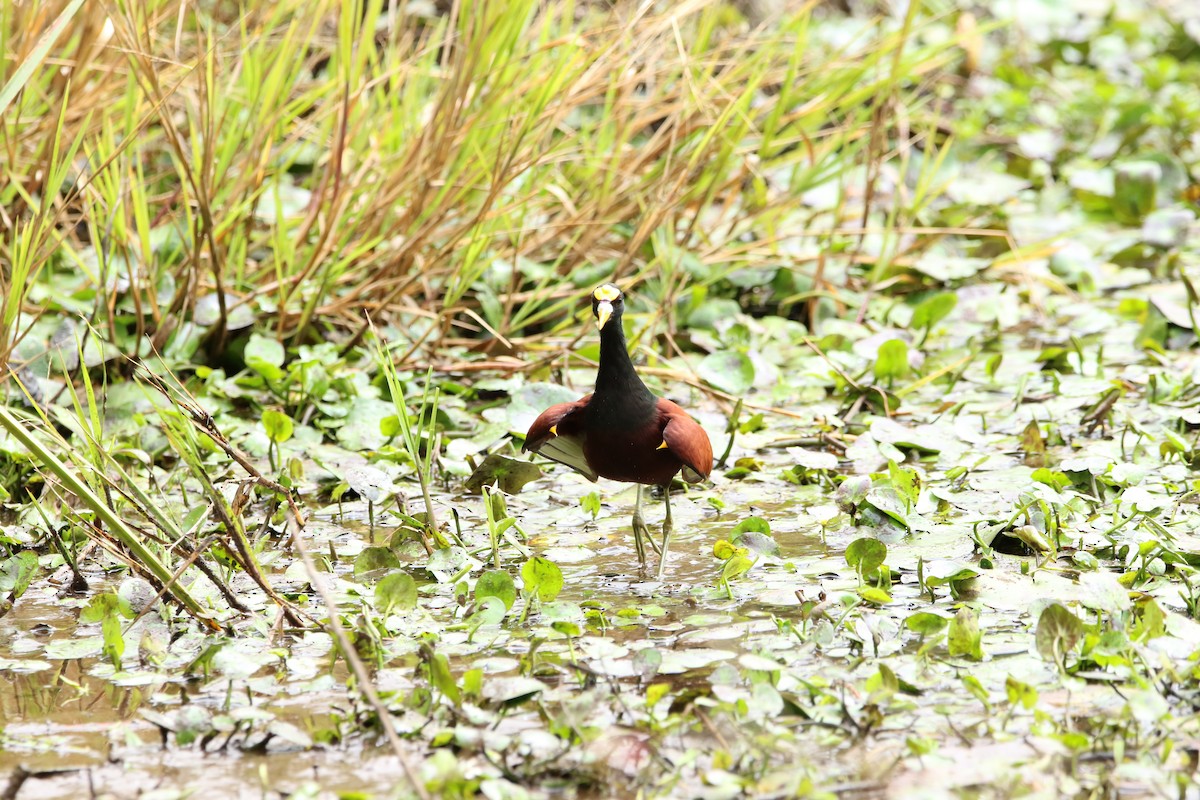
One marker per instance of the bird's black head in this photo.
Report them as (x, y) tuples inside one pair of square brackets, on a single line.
[(607, 303)]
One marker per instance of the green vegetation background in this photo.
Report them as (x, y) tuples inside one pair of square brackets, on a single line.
[(284, 283)]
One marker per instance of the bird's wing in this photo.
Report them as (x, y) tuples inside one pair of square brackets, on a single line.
[(558, 435), (687, 440), (568, 450)]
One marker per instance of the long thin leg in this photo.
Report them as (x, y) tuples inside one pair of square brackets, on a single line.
[(654, 545), (666, 531), (639, 529)]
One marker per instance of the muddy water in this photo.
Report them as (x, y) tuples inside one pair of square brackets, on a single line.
[(71, 728), (66, 733)]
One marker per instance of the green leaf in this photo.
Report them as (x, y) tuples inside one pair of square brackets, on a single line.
[(442, 679), (1031, 439), (1033, 538), (942, 572), (543, 579), (114, 642), (724, 550), (1057, 632), (279, 426), (566, 627), (754, 534), (511, 692), (866, 555), (736, 567), (874, 595), (753, 424), (713, 311), (264, 356), (104, 606), (965, 638), (375, 558), (1052, 478), (16, 573), (1135, 190), (590, 503), (389, 426), (88, 498), (1052, 355), (1075, 740), (489, 610), (883, 683), (496, 583), (397, 591), (508, 473), (892, 361), (728, 370), (756, 524), (932, 310), (1020, 693), (1149, 620), (472, 682), (203, 663), (497, 505), (924, 623), (852, 492), (108, 609), (758, 543), (646, 662), (976, 688), (904, 481), (993, 364)]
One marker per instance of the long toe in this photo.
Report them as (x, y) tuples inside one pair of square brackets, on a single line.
[(641, 535), (654, 545)]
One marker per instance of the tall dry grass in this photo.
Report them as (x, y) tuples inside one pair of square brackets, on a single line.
[(301, 164)]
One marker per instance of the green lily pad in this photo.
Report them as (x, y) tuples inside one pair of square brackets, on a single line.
[(729, 371), (509, 474)]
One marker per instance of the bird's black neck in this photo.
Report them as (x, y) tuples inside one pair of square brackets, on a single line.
[(620, 397)]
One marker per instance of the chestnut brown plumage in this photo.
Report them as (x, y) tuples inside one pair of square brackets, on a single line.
[(622, 431)]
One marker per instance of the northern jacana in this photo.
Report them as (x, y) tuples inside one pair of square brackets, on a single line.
[(622, 431)]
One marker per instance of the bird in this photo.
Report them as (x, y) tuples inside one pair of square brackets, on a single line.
[(622, 431)]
